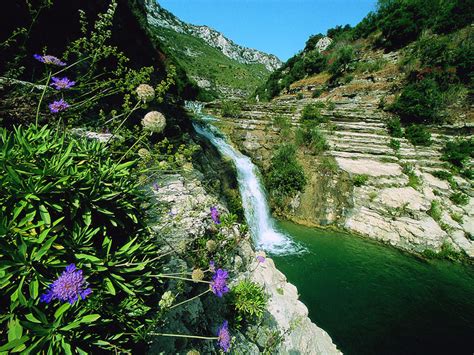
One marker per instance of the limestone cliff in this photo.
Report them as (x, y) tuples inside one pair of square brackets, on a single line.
[(394, 202)]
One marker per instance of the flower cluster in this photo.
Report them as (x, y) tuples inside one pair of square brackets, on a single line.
[(68, 287), (223, 336), (58, 106), (154, 121), (49, 59), (215, 215), (219, 283), (62, 83), (145, 92)]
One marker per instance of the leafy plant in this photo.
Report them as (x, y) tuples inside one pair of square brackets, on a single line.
[(435, 210), (459, 198), (458, 152), (65, 200), (249, 300), (419, 102), (312, 112), (418, 135), (360, 180), (230, 109), (394, 144), (285, 176), (394, 127)]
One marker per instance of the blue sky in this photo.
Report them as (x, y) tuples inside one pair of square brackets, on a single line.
[(279, 27)]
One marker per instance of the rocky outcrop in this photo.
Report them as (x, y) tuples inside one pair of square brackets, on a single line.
[(398, 189), (159, 17), (285, 327)]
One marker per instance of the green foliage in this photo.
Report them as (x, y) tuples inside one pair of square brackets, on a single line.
[(299, 96), (249, 301), (328, 164), (310, 136), (65, 200), (285, 176), (419, 102), (435, 210), (341, 59), (413, 179), (459, 198), (281, 121), (458, 152), (394, 144), (360, 180), (418, 135), (230, 109), (312, 112), (394, 127), (447, 252), (314, 62), (445, 175)]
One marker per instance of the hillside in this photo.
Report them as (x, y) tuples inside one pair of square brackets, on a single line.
[(214, 62), (381, 126)]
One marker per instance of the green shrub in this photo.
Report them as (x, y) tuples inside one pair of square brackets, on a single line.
[(65, 200), (314, 62), (330, 105), (458, 152), (459, 198), (310, 136), (328, 164), (360, 180), (435, 210), (456, 217), (394, 127), (312, 112), (316, 93), (230, 109), (249, 301), (413, 179), (419, 102), (341, 60), (394, 144), (418, 135), (285, 176), (299, 96), (281, 121)]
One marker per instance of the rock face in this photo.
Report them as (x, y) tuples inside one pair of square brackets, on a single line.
[(157, 16), (184, 216), (394, 202), (323, 44), (301, 335)]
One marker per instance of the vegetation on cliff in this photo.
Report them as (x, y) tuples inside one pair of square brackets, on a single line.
[(85, 137)]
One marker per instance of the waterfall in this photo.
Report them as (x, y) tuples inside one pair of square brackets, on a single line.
[(254, 202)]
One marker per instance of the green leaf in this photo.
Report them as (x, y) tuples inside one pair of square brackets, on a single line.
[(124, 165), (45, 215), (110, 286), (34, 285), (44, 249), (14, 343), (61, 310), (32, 318), (15, 330), (90, 318), (92, 258)]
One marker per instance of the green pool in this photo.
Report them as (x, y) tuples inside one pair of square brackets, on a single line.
[(374, 299)]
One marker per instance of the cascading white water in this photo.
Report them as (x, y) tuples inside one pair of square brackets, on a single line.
[(257, 213)]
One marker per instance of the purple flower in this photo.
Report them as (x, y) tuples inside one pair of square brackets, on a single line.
[(261, 259), (156, 186), (62, 83), (215, 215), (212, 266), (58, 106), (68, 287), (223, 336), (219, 283), (49, 59)]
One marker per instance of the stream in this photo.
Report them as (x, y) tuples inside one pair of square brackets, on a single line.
[(370, 298)]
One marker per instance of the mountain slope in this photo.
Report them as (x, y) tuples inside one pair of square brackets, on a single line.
[(213, 61)]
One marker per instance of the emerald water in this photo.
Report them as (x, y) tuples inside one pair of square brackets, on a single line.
[(373, 299)]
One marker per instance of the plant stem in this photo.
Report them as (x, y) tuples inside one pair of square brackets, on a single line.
[(122, 123), (189, 300), (183, 336), (130, 149), (41, 98), (179, 278)]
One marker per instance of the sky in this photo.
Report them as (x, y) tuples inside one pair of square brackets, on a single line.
[(279, 27)]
